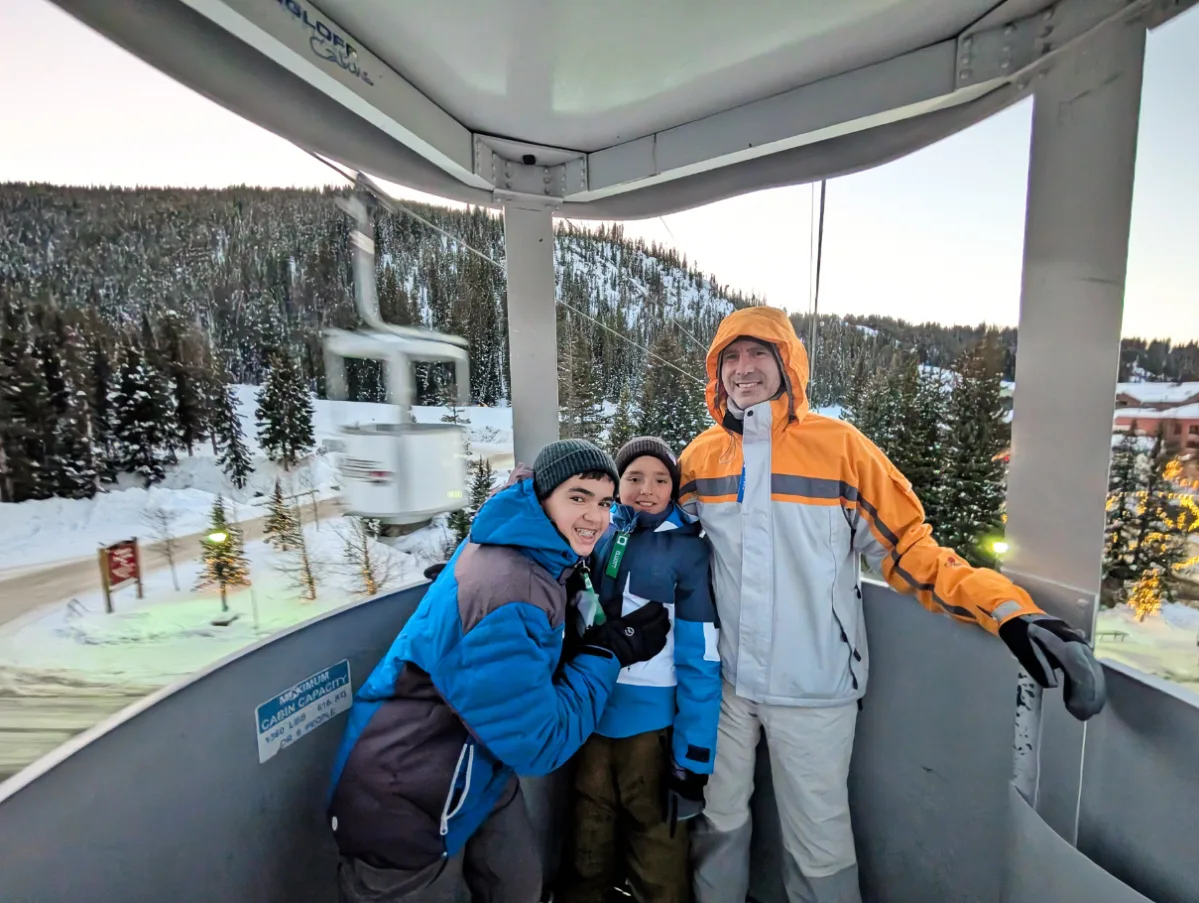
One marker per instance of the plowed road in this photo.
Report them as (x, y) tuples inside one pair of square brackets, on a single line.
[(24, 589)]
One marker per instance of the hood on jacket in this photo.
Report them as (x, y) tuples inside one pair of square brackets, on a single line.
[(514, 517), (773, 327)]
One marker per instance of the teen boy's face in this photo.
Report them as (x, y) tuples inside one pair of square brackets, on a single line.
[(581, 508), (645, 485)]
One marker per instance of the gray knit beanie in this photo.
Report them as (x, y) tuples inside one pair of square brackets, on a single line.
[(561, 460), (655, 448)]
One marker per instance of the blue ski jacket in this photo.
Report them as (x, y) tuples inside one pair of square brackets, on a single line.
[(471, 693), (666, 560)]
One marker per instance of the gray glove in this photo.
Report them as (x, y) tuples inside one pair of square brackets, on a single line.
[(1044, 645)]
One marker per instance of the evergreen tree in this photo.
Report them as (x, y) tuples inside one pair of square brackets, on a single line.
[(233, 456), (223, 554), (580, 389), (878, 409), (183, 362), (71, 464), (285, 413), (623, 422), (455, 414), (143, 421), (918, 444), (481, 486), (974, 474), (672, 403), (26, 408), (282, 524), (100, 384), (1124, 482)]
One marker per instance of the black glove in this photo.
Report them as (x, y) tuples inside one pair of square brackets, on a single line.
[(1042, 644), (636, 637), (684, 795), (433, 570)]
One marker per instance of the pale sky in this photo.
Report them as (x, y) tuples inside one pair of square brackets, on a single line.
[(935, 236)]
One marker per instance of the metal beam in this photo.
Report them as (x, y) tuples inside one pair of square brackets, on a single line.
[(1079, 208), (298, 36), (907, 85), (532, 325)]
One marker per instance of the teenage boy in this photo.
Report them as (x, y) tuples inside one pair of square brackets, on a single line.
[(475, 690), (644, 769)]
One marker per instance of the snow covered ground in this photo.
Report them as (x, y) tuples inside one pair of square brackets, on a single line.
[(170, 633), (1164, 644), (37, 533)]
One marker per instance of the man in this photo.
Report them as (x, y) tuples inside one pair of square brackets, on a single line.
[(476, 689), (789, 500)]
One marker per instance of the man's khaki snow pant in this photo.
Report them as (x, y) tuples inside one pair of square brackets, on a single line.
[(810, 750), (500, 864), (618, 829)]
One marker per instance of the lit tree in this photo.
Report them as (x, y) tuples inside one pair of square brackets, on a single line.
[(223, 556), (1146, 596)]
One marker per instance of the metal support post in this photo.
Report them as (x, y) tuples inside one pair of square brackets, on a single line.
[(532, 327), (1080, 180)]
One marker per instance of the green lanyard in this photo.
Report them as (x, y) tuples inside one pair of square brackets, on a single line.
[(589, 603), (617, 555)]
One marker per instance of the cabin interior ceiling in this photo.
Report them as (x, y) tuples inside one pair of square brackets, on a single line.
[(587, 76)]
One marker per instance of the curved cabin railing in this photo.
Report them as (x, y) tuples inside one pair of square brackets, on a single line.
[(169, 799)]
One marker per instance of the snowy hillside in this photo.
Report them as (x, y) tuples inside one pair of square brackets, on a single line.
[(39, 532)]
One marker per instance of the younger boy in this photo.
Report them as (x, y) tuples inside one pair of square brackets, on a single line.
[(474, 690), (645, 767)]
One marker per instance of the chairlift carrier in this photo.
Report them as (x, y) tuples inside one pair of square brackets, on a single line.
[(399, 471)]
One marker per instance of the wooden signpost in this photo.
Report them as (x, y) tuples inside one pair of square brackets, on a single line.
[(120, 565)]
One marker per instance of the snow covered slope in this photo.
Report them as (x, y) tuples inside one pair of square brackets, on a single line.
[(37, 533)]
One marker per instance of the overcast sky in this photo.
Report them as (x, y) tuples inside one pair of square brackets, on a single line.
[(935, 236)]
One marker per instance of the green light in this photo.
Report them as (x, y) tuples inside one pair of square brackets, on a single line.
[(217, 537), (999, 547)]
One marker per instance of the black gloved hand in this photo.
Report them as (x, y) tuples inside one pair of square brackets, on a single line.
[(684, 795), (637, 637), (1042, 644), (433, 570)]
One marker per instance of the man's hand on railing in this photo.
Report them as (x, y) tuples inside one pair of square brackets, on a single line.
[(1044, 645)]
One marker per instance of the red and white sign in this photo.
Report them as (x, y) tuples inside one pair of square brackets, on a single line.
[(122, 563)]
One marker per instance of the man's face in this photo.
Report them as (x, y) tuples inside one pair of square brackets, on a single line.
[(645, 485), (749, 372), (580, 508)]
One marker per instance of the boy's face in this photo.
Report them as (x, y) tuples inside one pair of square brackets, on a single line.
[(580, 508), (645, 485)]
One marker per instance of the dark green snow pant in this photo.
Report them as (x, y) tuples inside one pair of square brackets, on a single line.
[(618, 830)]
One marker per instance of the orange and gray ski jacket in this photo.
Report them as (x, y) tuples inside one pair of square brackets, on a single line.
[(790, 503)]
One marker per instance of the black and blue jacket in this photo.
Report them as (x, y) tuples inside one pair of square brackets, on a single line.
[(666, 559), (472, 692)]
